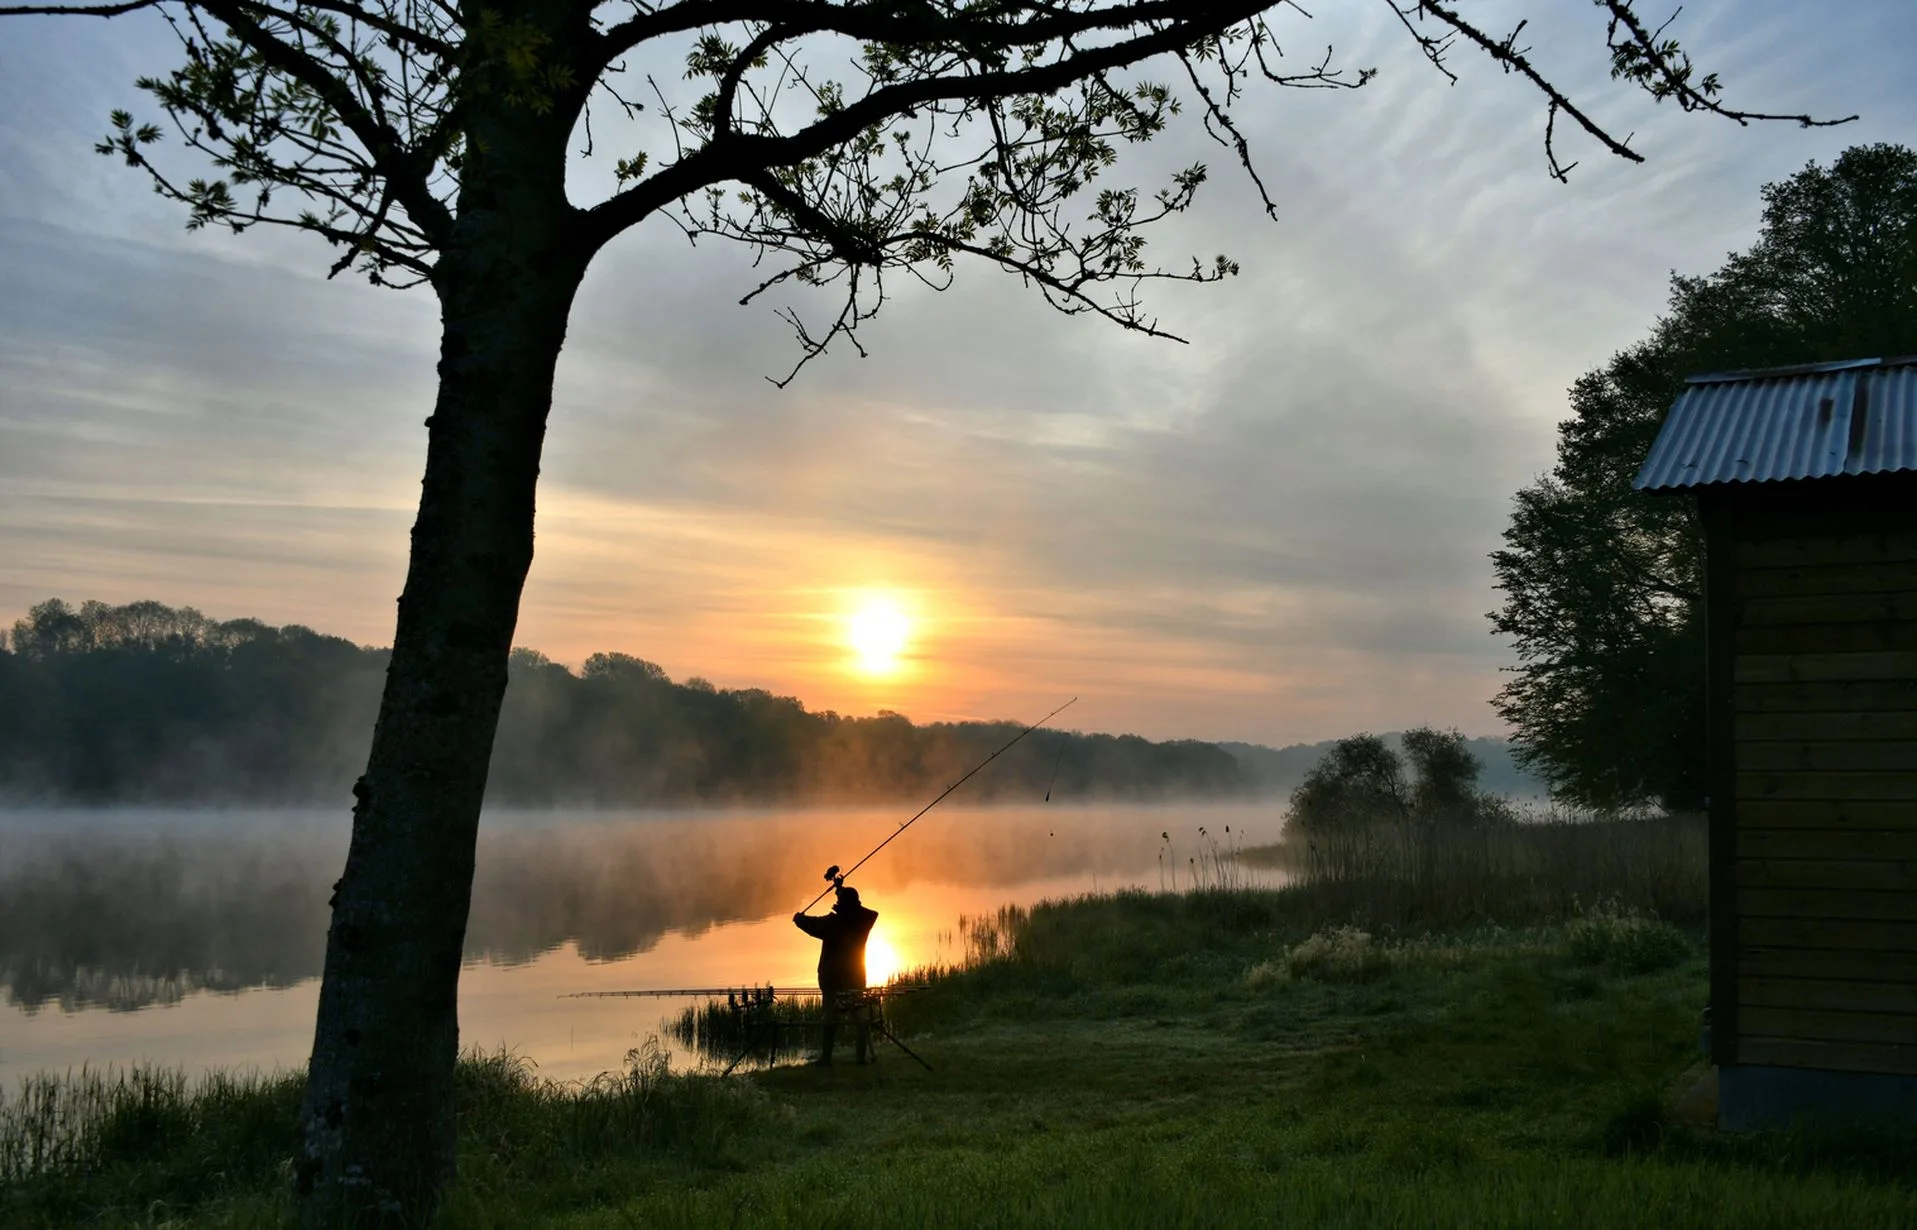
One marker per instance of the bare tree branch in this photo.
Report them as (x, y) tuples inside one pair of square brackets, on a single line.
[(1664, 70), (736, 155), (67, 10), (915, 24), (1505, 52), (400, 31), (952, 69)]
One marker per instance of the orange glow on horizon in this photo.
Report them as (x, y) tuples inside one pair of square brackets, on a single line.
[(752, 599)]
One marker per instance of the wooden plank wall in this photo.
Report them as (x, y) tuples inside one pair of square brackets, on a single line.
[(1825, 748)]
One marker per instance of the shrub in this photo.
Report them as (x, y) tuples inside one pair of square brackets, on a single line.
[(1342, 954), (1625, 942), (1267, 974)]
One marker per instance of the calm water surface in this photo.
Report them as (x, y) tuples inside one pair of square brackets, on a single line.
[(195, 938)]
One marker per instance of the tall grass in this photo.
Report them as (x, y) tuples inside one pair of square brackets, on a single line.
[(532, 1122), (91, 1121), (150, 1144), (1168, 942), (145, 1144), (1547, 867)]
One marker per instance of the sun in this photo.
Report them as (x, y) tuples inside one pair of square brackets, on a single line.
[(877, 632), (882, 962)]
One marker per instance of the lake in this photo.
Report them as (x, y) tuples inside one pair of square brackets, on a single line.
[(195, 938)]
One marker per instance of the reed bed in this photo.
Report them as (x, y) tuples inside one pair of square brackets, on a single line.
[(776, 1027), (1207, 861), (1548, 867), (93, 1120)]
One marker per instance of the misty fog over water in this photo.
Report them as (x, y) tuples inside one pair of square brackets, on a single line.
[(197, 936)]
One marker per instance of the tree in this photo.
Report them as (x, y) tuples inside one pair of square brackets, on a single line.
[(1603, 586), (843, 141), (146, 702), (1358, 782), (1361, 781), (1445, 776)]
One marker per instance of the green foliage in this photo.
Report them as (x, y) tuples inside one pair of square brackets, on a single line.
[(1602, 586), (1339, 954), (1625, 941), (1444, 776), (1361, 782), (145, 701), (149, 702)]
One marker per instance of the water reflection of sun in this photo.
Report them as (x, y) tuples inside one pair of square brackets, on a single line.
[(882, 961)]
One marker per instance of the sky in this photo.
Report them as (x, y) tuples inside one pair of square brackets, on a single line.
[(1278, 532)]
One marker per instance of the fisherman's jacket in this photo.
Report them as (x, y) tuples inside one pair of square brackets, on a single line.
[(842, 936)]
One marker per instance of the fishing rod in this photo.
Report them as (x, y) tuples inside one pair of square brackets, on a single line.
[(1063, 739), (689, 992), (835, 877), (716, 992)]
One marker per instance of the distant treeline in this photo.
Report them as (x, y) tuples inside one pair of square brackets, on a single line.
[(150, 703), (1280, 770)]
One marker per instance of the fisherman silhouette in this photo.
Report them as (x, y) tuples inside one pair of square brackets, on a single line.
[(842, 935)]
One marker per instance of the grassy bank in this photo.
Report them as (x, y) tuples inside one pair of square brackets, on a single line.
[(1209, 1058)]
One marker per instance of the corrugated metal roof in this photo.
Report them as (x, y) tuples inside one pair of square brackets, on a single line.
[(1819, 420)]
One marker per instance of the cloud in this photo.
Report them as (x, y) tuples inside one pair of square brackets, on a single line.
[(1276, 532)]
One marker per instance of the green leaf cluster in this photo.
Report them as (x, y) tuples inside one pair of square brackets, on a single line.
[(1602, 585), (1363, 781)]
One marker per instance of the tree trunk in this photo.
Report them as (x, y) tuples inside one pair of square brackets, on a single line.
[(377, 1122)]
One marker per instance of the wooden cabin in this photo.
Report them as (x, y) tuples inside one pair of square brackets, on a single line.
[(1806, 482)]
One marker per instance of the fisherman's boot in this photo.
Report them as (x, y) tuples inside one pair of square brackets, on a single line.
[(825, 1046)]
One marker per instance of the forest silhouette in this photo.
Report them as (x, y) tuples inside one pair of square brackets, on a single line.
[(156, 704)]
